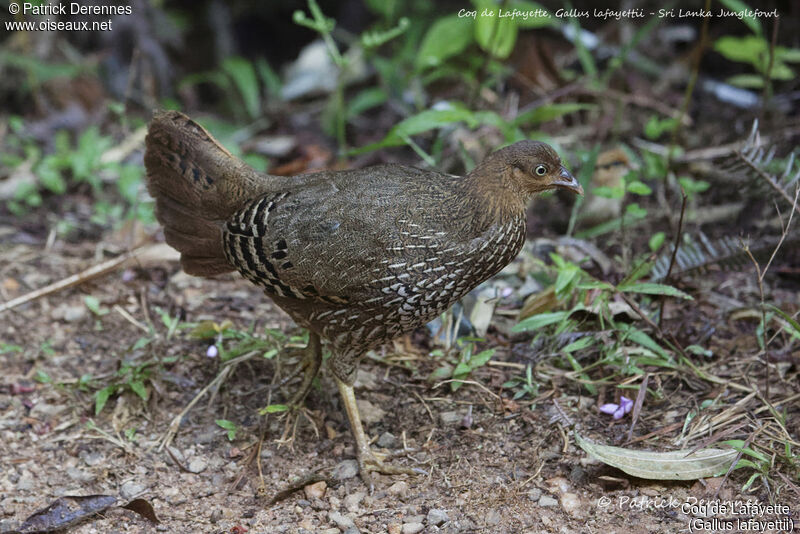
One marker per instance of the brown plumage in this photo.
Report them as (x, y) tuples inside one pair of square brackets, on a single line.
[(359, 256)]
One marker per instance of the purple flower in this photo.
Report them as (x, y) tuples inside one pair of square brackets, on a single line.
[(212, 351), (618, 410)]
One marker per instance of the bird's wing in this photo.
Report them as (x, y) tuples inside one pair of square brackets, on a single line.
[(336, 235)]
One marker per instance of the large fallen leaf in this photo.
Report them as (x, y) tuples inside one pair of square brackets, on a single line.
[(670, 465)]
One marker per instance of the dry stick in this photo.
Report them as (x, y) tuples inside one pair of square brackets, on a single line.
[(761, 273), (75, 279), (674, 254), (155, 250), (768, 73), (637, 407)]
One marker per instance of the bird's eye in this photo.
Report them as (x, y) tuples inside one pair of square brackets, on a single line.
[(540, 170)]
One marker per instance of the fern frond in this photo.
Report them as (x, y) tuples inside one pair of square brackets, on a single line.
[(698, 253), (753, 160)]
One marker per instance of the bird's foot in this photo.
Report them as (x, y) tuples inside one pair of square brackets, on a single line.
[(370, 461)]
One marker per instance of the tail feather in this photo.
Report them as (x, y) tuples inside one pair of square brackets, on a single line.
[(197, 185)]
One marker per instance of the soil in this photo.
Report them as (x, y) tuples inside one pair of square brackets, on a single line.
[(492, 464)]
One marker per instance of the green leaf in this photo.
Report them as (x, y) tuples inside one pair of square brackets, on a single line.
[(50, 176), (447, 37), (385, 8), (495, 35), (534, 322), (225, 424), (608, 192), (366, 100), (656, 127), (102, 396), (699, 351), (137, 386), (738, 6), (788, 318), (641, 338), (634, 210), (639, 188), (746, 81), (565, 278), (421, 122), (243, 75), (579, 344), (670, 465), (273, 408), (692, 186), (480, 359), (94, 305), (651, 288), (129, 182), (656, 241)]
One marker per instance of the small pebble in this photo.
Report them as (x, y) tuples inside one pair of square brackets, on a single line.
[(534, 494), (342, 521), (79, 475), (436, 517), (395, 528), (412, 528), (197, 465), (316, 490), (571, 503), (352, 501), (387, 440), (345, 470), (450, 418), (91, 458), (130, 489), (546, 500), (370, 414), (73, 314), (398, 489), (493, 517)]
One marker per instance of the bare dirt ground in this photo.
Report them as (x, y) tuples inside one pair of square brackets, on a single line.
[(493, 465)]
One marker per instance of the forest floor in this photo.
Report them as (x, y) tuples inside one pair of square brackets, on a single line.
[(493, 464)]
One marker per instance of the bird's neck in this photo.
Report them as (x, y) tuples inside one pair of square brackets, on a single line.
[(493, 189)]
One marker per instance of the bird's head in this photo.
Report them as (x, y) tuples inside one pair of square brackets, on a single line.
[(535, 167)]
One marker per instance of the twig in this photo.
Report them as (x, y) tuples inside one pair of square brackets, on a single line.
[(637, 407), (175, 424), (84, 276), (676, 245)]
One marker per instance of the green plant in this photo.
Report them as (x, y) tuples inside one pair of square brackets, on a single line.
[(246, 85), (456, 370), (523, 386), (369, 40), (757, 461), (626, 348), (86, 161), (229, 426)]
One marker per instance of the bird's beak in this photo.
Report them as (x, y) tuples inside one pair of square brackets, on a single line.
[(567, 181)]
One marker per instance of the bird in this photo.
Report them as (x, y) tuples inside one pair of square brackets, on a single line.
[(359, 256)]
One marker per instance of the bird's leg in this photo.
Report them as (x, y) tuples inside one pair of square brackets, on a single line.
[(310, 364), (368, 460)]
